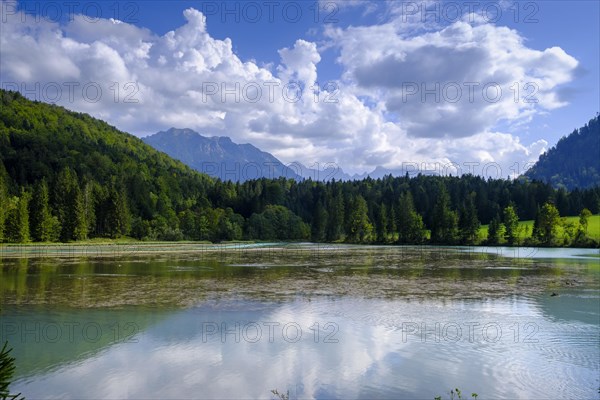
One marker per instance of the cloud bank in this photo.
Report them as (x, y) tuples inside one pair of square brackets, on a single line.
[(405, 95)]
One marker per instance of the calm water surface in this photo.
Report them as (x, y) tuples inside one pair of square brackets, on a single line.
[(319, 322)]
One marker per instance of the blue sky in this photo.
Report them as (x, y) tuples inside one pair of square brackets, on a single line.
[(372, 52)]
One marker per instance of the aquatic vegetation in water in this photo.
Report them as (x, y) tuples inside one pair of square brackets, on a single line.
[(281, 396), (455, 394)]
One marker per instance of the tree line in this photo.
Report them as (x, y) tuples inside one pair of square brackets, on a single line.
[(65, 176), (423, 209)]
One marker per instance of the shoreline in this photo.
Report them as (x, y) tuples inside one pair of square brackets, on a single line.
[(125, 249)]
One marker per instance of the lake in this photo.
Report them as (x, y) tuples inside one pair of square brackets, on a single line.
[(319, 321)]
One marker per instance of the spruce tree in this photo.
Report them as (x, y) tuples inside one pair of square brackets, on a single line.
[(319, 223), (511, 225), (495, 229), (16, 225), (381, 226), (4, 203), (468, 222), (70, 207), (335, 220), (360, 227), (445, 221), (41, 222)]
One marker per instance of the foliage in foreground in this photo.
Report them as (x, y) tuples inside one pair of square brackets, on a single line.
[(7, 369)]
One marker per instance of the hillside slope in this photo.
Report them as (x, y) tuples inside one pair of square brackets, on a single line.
[(79, 156), (574, 162)]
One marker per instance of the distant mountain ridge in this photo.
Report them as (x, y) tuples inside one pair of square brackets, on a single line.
[(327, 171), (574, 162), (219, 156)]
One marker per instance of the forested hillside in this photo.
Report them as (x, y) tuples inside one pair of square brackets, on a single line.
[(67, 176), (83, 178), (574, 162)]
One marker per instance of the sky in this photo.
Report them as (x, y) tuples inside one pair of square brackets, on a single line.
[(482, 87)]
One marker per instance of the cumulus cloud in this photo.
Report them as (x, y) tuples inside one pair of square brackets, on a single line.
[(397, 99), (455, 82)]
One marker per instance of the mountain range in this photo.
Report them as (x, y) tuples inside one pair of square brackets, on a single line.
[(220, 157)]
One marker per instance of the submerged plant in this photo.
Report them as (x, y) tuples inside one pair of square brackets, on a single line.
[(281, 396), (456, 394)]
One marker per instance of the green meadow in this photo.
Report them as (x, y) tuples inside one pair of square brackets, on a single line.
[(526, 227)]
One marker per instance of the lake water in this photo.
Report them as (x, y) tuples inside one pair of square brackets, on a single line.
[(318, 321)]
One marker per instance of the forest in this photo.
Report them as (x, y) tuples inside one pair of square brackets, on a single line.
[(575, 160), (65, 176)]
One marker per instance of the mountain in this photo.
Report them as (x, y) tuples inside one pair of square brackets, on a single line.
[(328, 171), (574, 162), (321, 172), (219, 157)]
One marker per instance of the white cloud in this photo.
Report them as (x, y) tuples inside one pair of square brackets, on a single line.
[(187, 78), (455, 82)]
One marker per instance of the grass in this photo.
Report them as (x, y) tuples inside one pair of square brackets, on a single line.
[(526, 227)]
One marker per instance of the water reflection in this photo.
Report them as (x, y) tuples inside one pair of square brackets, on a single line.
[(371, 348), (385, 322)]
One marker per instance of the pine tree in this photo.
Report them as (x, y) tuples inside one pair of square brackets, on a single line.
[(79, 223), (319, 223), (495, 229), (70, 207), (118, 218), (391, 227), (511, 225), (41, 222), (89, 206), (381, 226), (411, 229), (17, 219), (335, 220), (468, 222), (203, 227), (4, 203), (360, 227), (445, 221)]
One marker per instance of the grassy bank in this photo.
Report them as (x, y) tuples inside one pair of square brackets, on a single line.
[(526, 227)]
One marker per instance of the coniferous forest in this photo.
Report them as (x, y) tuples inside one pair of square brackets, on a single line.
[(575, 160), (65, 176)]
